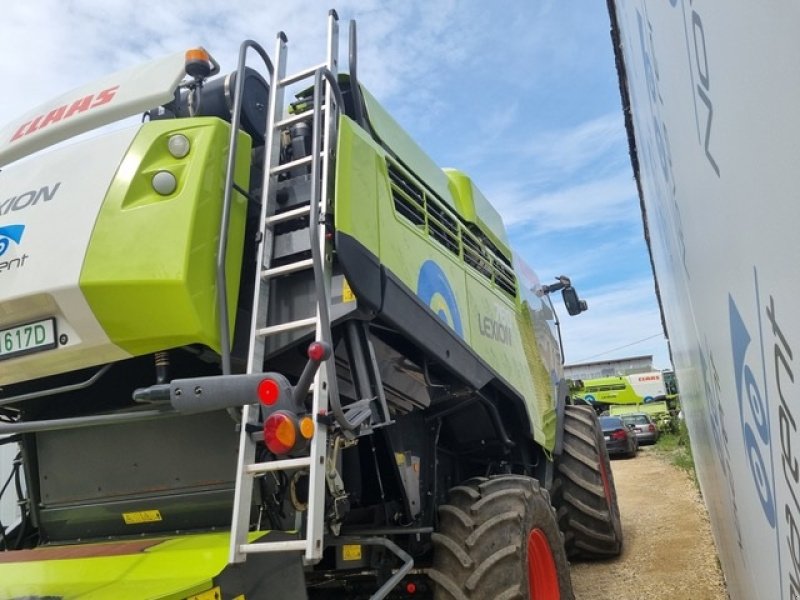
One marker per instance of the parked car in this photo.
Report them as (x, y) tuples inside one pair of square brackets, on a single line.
[(620, 438), (644, 427)]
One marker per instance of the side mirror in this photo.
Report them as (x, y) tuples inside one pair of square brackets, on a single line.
[(575, 305)]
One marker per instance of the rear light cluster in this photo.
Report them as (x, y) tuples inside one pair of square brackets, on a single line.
[(287, 427), (286, 430), (619, 434), (651, 428)]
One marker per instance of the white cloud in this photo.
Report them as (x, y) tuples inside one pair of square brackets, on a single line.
[(565, 151), (601, 202), (623, 320)]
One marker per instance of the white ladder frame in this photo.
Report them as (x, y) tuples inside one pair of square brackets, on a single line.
[(325, 379)]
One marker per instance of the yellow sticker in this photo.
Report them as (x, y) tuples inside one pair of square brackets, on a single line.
[(347, 292), (212, 594), (142, 516), (351, 552)]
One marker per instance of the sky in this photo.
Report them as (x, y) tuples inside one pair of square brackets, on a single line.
[(520, 94)]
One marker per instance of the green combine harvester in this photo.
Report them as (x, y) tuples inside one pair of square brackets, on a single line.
[(263, 347)]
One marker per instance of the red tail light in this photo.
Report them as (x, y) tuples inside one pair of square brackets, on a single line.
[(318, 351), (652, 428), (269, 392), (619, 434), (280, 432)]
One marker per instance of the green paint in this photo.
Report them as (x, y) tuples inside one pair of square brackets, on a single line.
[(405, 149), (475, 208), (360, 174), (169, 569), (499, 327), (149, 271)]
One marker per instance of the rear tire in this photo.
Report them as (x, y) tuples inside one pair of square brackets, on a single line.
[(498, 538), (583, 489)]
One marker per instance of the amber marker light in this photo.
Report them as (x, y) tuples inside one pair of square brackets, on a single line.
[(198, 63), (307, 427)]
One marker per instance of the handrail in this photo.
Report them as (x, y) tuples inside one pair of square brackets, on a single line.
[(316, 250), (86, 421), (222, 250), (58, 390), (355, 90)]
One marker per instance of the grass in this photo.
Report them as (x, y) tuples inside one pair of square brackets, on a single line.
[(676, 449)]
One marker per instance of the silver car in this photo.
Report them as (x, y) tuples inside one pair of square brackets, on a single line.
[(644, 427)]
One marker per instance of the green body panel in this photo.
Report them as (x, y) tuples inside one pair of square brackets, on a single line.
[(149, 271), (169, 569), (651, 408), (475, 208), (365, 175), (608, 390), (156, 569), (405, 149), (497, 326)]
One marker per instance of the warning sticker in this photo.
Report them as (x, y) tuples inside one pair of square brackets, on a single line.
[(141, 516), (351, 552), (347, 292)]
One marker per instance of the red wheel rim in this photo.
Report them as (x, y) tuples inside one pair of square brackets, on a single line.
[(542, 573), (604, 478)]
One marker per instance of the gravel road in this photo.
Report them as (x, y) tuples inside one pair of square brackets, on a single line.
[(668, 551)]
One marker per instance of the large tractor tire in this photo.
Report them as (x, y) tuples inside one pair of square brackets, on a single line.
[(583, 489), (498, 538)]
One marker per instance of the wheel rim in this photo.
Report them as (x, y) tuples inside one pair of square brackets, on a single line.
[(542, 574)]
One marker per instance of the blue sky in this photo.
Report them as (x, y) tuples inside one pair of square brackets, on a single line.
[(522, 95)]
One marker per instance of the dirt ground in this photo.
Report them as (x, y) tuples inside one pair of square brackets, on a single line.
[(668, 551)]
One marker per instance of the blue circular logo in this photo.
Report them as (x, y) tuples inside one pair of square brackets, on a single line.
[(648, 399), (435, 291), (589, 398)]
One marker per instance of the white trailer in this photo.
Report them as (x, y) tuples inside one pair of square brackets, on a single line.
[(711, 92)]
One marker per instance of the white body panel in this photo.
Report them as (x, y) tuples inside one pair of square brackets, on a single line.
[(715, 94), (648, 385), (39, 276), (99, 103)]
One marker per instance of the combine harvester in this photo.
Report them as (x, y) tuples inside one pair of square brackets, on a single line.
[(711, 97), (265, 348), (651, 392)]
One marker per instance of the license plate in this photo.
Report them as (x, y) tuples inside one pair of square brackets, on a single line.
[(24, 339), (608, 438)]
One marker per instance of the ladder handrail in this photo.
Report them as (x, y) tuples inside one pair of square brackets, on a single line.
[(316, 247), (222, 249), (243, 490)]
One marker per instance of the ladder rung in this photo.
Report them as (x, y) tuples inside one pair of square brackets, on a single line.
[(288, 215), (262, 547), (296, 118), (301, 75), (290, 268), (306, 160), (278, 465), (290, 326)]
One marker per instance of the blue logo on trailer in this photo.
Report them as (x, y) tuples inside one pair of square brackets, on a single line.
[(434, 289), (8, 234), (589, 398)]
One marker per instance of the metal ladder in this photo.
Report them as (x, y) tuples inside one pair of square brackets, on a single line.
[(324, 115)]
